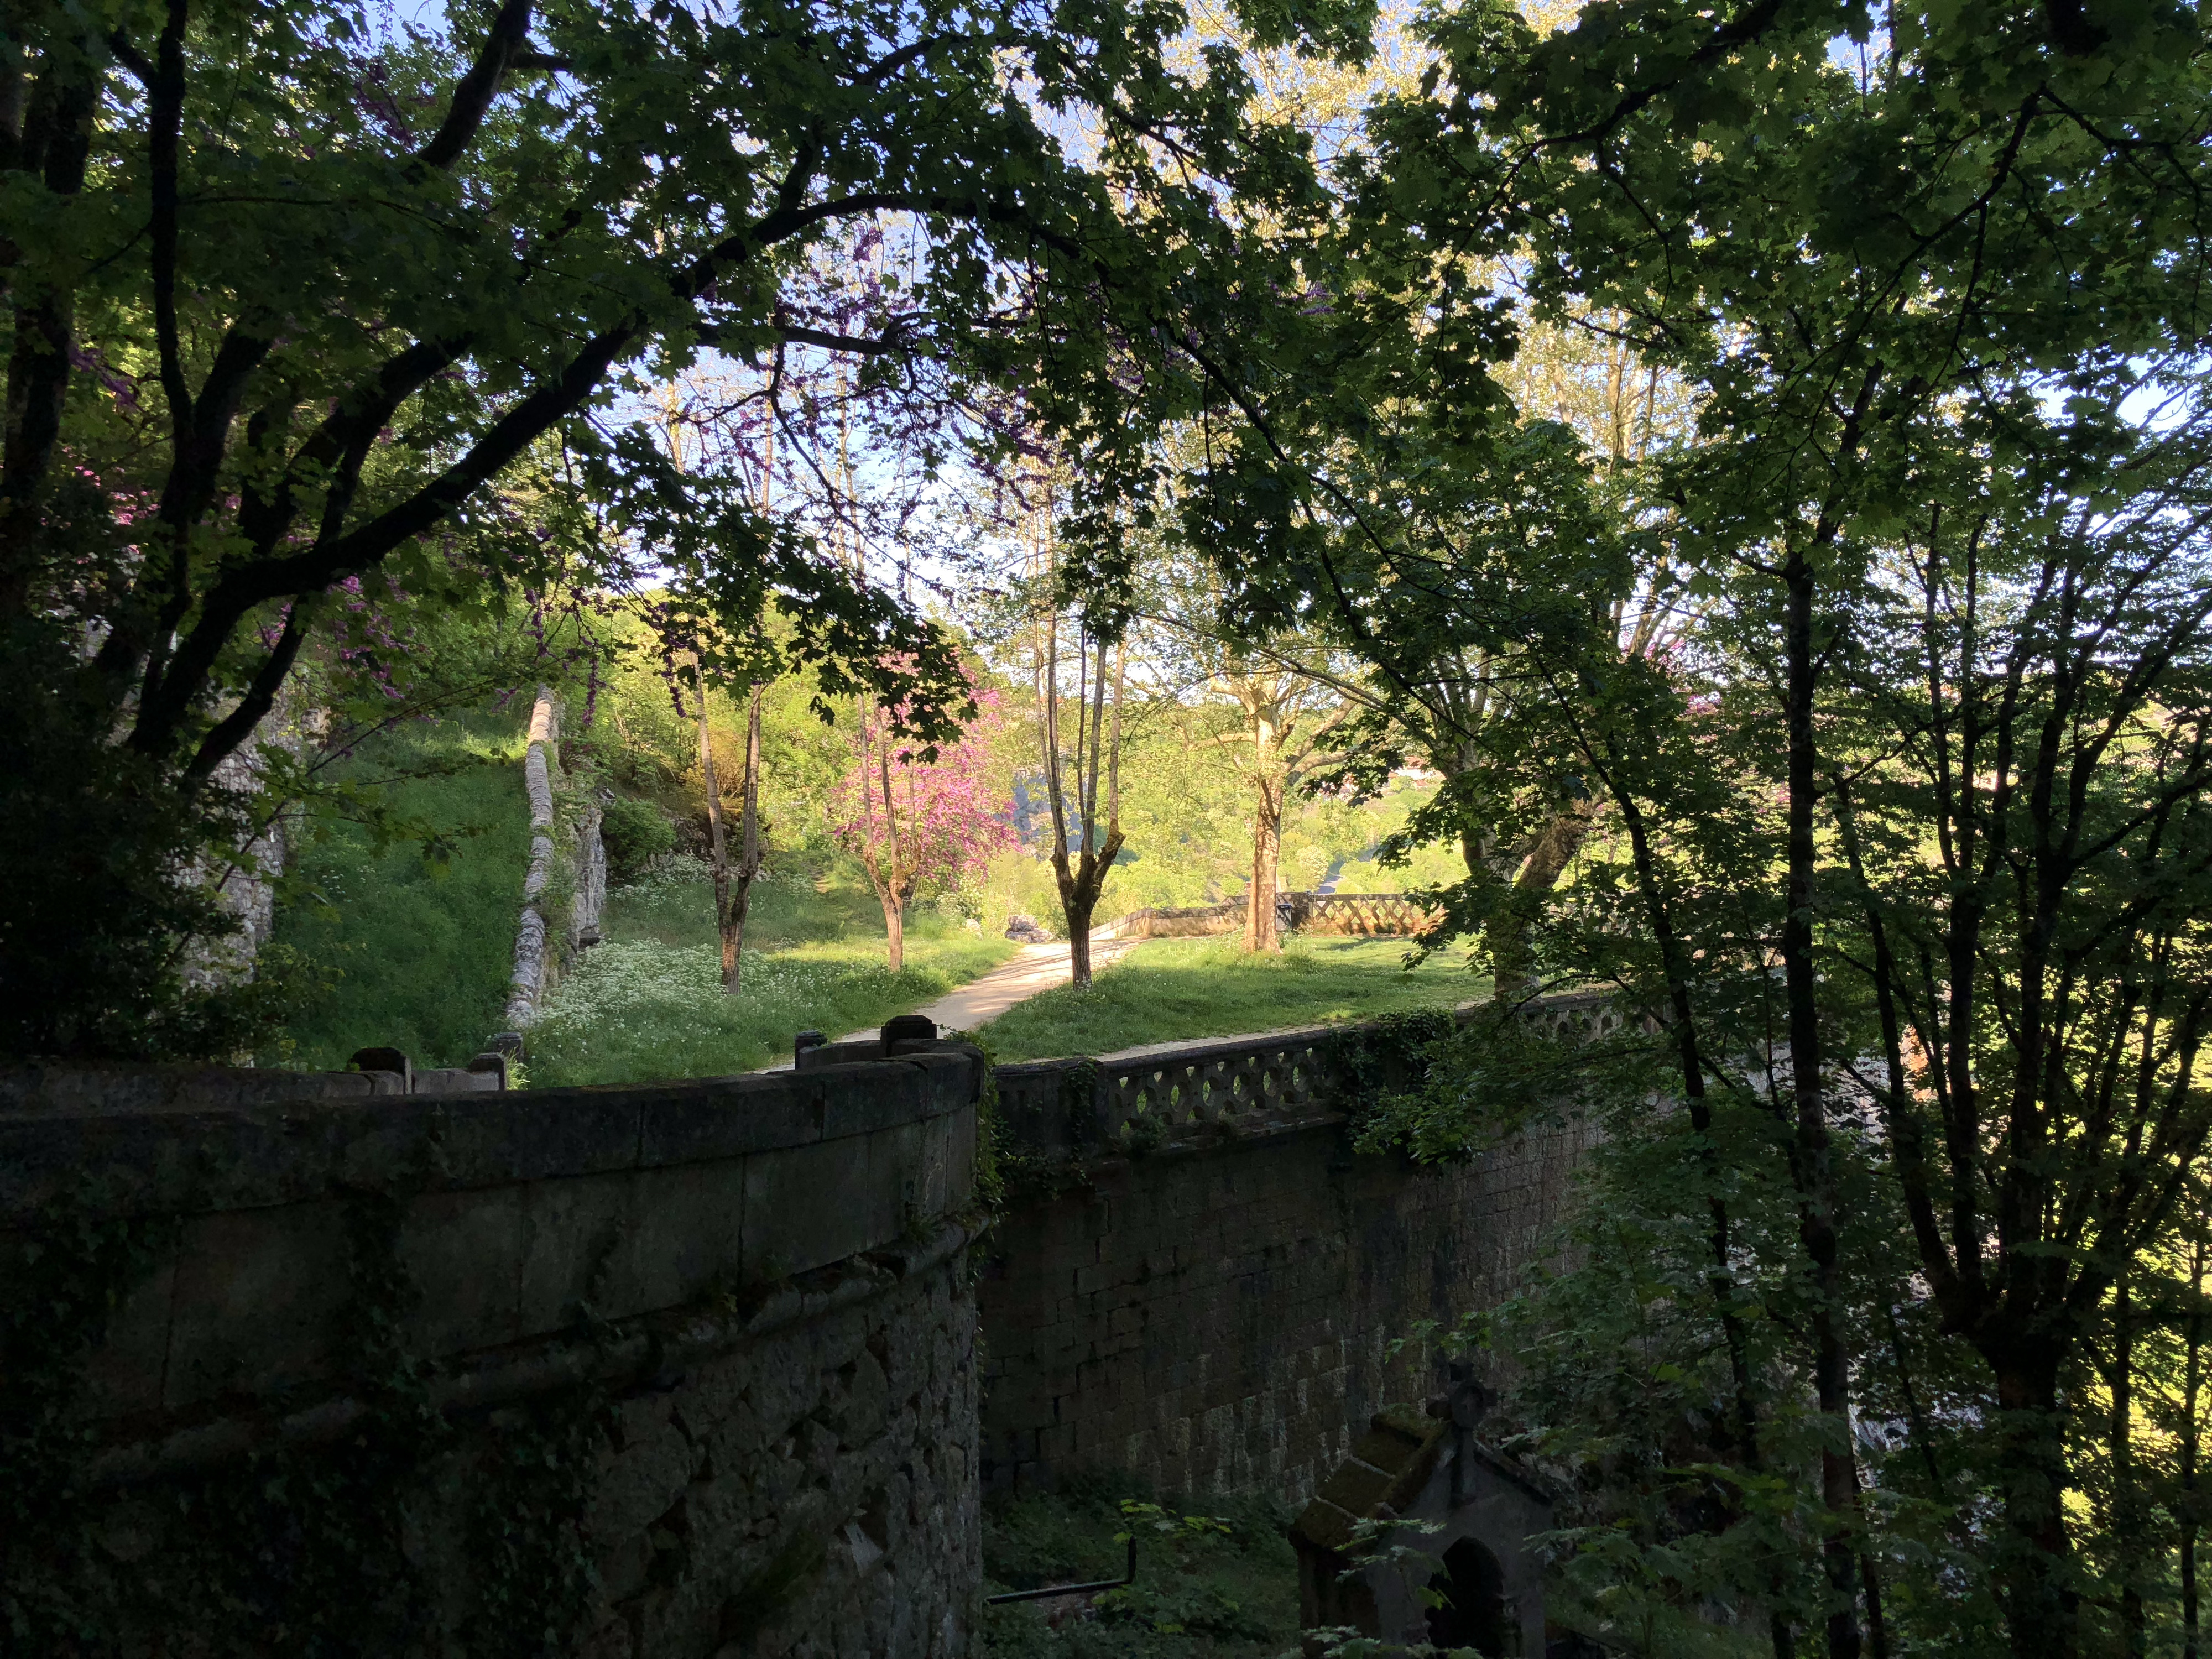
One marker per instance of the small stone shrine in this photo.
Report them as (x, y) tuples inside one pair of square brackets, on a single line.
[(1429, 1467)]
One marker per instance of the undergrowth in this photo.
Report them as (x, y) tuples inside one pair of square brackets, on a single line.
[(416, 930), (1216, 1577), (648, 1003)]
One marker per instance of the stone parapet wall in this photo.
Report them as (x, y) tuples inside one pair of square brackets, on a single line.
[(1058, 1111), (754, 1288), (1198, 1280), (717, 1341), (1218, 1318)]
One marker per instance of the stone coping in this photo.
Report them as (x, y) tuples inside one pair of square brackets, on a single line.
[(1081, 1107), (1199, 1048), (143, 1149)]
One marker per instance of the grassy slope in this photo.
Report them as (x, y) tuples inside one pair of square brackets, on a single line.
[(1197, 1595), (422, 951), (1167, 990), (648, 1003)]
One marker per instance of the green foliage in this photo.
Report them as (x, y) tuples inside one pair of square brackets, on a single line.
[(648, 1002), (406, 889), (1873, 703), (410, 365), (995, 1157), (635, 833), (111, 918), (1186, 814), (60, 1284), (315, 1550), (1209, 1586), (1168, 990), (645, 747)]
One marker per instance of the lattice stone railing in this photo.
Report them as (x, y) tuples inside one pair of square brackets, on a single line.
[(1058, 1110), (1355, 913), (1317, 913)]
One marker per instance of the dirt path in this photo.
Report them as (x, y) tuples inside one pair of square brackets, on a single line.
[(1033, 969)]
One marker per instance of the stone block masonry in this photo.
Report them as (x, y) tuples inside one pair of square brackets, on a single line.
[(749, 1299), (1200, 1282), (687, 1370)]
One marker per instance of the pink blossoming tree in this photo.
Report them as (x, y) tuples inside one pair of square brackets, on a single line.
[(918, 825)]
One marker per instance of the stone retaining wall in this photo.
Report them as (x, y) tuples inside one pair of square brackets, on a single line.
[(1199, 1281), (756, 1285), (743, 1305)]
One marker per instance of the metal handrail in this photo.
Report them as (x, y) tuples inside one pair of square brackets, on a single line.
[(1073, 1589)]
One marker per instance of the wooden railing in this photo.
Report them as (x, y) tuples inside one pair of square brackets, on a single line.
[(1082, 1107)]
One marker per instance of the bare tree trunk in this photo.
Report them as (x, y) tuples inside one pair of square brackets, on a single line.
[(749, 854), (1080, 875), (1741, 1433), (2042, 1614), (1871, 1577), (1260, 934), (885, 862), (718, 846), (1809, 1157), (893, 884)]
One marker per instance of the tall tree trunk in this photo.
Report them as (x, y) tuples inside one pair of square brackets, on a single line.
[(1259, 932), (55, 139), (2185, 1507), (1742, 1433), (1809, 1162), (2041, 1609), (749, 853), (718, 846), (894, 928), (1871, 1577), (885, 860), (1080, 875), (894, 886), (2127, 1515)]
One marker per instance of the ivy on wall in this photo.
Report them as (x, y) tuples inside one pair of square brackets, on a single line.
[(410, 1528)]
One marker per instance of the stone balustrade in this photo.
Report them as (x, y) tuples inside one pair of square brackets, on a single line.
[(1366, 914), (1074, 1108), (1201, 1280)]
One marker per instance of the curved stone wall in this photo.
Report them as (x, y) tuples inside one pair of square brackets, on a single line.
[(1198, 1281), (757, 1287)]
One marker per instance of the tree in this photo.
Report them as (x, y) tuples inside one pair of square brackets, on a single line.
[(1284, 687), (289, 300), (919, 822), (1912, 297), (733, 884), (1074, 775), (1286, 716)]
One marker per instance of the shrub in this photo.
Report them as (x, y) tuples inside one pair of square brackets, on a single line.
[(634, 832)]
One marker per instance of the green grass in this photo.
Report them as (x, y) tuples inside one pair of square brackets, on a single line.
[(420, 949), (1171, 990), (648, 1003), (1203, 1592)]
